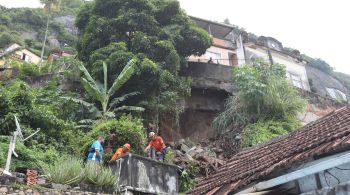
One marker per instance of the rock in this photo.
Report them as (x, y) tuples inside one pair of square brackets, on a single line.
[(194, 151), (21, 193), (3, 190), (189, 157), (178, 153), (184, 148), (29, 191), (218, 150), (181, 141), (59, 186)]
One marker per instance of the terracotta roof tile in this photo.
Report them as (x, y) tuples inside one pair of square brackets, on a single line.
[(325, 135)]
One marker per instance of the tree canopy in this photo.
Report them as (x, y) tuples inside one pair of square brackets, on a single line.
[(157, 33)]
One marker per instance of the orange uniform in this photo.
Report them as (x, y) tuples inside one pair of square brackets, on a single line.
[(157, 143), (119, 152)]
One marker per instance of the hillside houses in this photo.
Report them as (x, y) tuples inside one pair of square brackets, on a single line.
[(233, 48), (19, 53)]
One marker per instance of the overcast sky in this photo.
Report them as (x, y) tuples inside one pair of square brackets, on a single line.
[(318, 28)]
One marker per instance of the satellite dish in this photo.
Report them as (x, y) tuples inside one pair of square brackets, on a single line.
[(12, 145)]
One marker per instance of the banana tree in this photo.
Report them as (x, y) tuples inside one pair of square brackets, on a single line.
[(103, 94)]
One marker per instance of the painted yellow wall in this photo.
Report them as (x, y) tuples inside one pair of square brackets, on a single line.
[(33, 57)]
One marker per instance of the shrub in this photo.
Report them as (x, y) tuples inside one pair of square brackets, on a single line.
[(66, 170), (263, 131), (187, 180), (126, 129), (169, 157), (32, 157), (265, 106), (26, 69), (101, 176)]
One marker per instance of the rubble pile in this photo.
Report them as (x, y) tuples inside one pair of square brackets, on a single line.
[(208, 159)]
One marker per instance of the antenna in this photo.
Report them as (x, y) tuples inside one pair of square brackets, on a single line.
[(12, 145)]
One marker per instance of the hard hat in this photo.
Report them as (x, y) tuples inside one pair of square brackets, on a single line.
[(151, 134), (127, 146)]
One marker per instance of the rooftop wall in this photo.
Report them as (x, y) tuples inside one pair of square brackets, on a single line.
[(144, 175)]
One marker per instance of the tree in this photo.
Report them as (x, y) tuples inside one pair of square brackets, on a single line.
[(156, 33), (265, 102), (48, 6), (103, 95)]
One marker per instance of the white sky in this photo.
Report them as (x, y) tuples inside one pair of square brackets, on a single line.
[(318, 28)]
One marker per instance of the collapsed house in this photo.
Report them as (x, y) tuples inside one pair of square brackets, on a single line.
[(314, 159)]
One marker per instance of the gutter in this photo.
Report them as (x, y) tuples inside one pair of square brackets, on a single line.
[(314, 167)]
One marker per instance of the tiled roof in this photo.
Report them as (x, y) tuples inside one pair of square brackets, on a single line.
[(325, 135)]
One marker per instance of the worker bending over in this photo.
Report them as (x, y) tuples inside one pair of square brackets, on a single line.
[(121, 151), (156, 147)]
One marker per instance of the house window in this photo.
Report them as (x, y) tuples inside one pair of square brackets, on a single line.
[(215, 57), (296, 80)]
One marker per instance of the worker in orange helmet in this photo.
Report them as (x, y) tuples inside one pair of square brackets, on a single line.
[(156, 147), (121, 151)]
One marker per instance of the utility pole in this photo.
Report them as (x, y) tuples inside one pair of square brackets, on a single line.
[(270, 55)]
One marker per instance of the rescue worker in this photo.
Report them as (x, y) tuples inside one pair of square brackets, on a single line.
[(156, 147), (121, 151), (95, 152)]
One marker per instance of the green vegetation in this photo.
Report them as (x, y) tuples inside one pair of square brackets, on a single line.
[(70, 171), (187, 181), (127, 129), (101, 176), (33, 157), (65, 170), (158, 34), (27, 26), (266, 105), (103, 95)]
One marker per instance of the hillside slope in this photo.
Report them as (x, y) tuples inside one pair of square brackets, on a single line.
[(26, 26)]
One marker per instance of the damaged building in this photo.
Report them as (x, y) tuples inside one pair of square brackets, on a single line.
[(211, 74), (314, 159)]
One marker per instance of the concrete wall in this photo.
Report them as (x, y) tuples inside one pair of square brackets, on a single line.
[(142, 174), (341, 189), (213, 76), (240, 51), (221, 47), (326, 179)]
